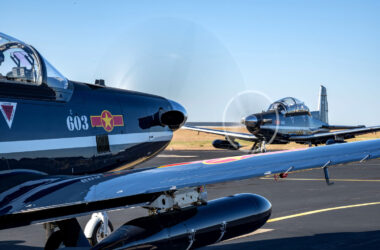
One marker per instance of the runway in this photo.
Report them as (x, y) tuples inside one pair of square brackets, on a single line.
[(307, 214)]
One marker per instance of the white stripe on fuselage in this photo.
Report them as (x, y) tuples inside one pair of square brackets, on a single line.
[(80, 142)]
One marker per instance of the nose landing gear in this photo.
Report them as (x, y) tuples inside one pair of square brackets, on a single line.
[(258, 147)]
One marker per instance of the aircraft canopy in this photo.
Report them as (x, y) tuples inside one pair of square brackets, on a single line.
[(288, 104), (21, 63)]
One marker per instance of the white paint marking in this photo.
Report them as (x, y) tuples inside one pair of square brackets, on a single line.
[(7, 147)]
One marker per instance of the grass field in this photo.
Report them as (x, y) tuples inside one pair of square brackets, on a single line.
[(192, 140)]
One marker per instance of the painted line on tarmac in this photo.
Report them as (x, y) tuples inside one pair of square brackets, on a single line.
[(262, 230), (320, 179), (366, 164), (321, 211)]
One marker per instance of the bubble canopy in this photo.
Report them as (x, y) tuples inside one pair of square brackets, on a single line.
[(21, 63), (288, 103)]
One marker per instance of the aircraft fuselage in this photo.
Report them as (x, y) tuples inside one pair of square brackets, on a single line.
[(92, 129), (286, 126)]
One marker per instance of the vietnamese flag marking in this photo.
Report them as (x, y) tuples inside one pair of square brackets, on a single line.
[(107, 121)]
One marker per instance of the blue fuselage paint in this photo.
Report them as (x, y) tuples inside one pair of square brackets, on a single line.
[(283, 127), (60, 137)]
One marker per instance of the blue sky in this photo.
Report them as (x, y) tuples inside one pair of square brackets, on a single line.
[(203, 53)]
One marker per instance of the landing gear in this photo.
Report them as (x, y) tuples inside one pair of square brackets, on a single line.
[(68, 233), (98, 228), (258, 147), (55, 241), (65, 233), (263, 147)]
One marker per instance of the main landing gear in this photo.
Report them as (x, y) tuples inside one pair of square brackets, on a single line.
[(69, 233), (258, 147), (65, 233), (98, 228)]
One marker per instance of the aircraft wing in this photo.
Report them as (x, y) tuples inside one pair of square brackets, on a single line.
[(29, 197), (348, 133), (235, 135), (342, 126)]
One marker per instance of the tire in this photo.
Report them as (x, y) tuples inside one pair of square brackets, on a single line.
[(94, 239), (55, 241)]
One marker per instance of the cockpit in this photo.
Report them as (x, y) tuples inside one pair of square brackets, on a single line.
[(289, 105), (21, 64)]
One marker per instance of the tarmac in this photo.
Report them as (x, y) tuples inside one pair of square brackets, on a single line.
[(307, 213)]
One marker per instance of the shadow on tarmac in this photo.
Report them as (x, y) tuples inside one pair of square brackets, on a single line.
[(15, 244), (351, 240)]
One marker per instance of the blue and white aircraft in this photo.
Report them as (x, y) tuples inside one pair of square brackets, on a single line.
[(67, 148)]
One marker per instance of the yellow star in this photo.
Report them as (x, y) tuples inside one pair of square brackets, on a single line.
[(107, 120)]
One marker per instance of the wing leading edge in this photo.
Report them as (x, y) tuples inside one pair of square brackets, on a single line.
[(49, 198), (232, 135)]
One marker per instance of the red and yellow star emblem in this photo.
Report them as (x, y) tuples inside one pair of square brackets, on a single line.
[(107, 121)]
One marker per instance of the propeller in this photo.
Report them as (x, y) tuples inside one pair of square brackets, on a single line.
[(177, 59), (246, 107), (182, 61)]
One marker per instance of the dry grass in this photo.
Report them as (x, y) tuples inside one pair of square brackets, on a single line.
[(192, 140)]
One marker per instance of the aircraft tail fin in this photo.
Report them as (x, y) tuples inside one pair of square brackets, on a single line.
[(323, 105)]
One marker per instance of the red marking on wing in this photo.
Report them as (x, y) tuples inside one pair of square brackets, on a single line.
[(230, 159), (179, 164)]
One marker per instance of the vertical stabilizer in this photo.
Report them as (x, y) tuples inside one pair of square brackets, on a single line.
[(323, 105)]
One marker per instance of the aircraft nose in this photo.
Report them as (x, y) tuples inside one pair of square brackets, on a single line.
[(176, 117), (250, 121)]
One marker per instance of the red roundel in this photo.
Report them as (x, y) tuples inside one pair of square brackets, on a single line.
[(107, 120)]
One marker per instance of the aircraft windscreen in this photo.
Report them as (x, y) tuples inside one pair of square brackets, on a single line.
[(279, 106), (3, 40), (6, 39), (54, 78)]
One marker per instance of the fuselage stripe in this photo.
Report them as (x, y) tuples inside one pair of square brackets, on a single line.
[(8, 147)]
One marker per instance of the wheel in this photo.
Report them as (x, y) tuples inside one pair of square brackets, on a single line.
[(98, 235), (55, 241)]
